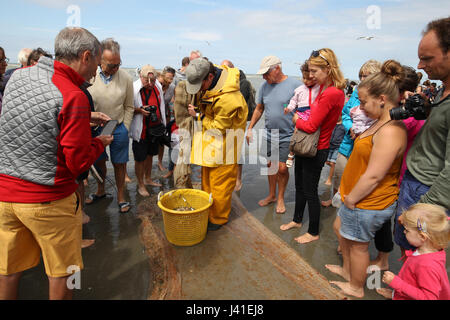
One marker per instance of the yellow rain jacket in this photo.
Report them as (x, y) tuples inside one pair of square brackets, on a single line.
[(218, 137)]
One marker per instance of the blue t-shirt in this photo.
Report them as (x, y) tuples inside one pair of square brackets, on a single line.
[(275, 97)]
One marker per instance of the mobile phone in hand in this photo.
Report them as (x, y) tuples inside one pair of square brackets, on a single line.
[(109, 128)]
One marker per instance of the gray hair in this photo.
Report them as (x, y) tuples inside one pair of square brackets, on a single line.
[(23, 55), (71, 42), (111, 45)]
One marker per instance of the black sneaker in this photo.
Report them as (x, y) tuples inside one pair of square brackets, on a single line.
[(213, 226)]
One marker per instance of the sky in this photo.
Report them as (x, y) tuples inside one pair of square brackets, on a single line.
[(161, 33)]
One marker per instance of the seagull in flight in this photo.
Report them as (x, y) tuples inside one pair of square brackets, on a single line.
[(365, 38)]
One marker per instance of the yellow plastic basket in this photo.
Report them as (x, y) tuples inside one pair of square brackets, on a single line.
[(185, 228)]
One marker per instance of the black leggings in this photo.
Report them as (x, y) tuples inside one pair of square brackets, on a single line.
[(383, 238), (307, 175)]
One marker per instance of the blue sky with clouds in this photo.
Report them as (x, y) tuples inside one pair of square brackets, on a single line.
[(163, 32)]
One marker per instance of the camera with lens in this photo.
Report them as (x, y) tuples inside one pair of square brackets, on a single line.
[(414, 107), (152, 111)]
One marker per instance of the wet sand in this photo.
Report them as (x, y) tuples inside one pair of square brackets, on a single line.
[(117, 265)]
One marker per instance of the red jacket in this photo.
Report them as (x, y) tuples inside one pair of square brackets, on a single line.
[(76, 149), (325, 112), (422, 277)]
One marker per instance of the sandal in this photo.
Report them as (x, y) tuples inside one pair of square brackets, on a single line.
[(93, 197), (124, 205)]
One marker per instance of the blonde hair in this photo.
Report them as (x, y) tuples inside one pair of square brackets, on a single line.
[(433, 221), (386, 82), (369, 67), (331, 61)]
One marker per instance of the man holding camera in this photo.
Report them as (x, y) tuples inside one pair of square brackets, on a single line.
[(148, 124), (427, 179)]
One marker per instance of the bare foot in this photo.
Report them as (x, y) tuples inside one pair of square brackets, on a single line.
[(86, 218), (143, 191), (338, 270), (152, 183), (127, 179), (167, 175), (348, 289), (238, 185), (161, 167), (327, 183), (266, 201), (382, 265), (385, 292), (290, 225), (326, 203), (306, 238), (280, 207), (87, 243)]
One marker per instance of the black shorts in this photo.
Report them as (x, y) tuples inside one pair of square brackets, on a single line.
[(145, 148)]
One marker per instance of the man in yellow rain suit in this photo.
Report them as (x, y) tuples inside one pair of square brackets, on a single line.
[(220, 120)]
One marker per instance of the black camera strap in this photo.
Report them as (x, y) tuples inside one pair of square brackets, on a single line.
[(147, 96)]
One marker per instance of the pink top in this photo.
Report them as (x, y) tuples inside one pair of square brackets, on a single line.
[(361, 122), (422, 277), (413, 127), (301, 97)]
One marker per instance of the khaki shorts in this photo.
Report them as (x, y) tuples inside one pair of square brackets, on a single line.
[(51, 228)]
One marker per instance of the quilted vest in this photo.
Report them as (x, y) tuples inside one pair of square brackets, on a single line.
[(28, 124)]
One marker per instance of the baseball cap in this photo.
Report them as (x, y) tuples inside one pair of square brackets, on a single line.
[(147, 69), (196, 72), (268, 62)]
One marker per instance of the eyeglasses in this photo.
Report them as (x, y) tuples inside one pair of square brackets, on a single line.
[(113, 66), (316, 53), (4, 60)]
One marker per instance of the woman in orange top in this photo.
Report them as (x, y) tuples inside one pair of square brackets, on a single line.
[(369, 185)]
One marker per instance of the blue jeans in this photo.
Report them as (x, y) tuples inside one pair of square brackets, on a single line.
[(410, 192)]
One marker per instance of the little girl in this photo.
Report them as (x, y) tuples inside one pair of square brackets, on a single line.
[(303, 97), (423, 275)]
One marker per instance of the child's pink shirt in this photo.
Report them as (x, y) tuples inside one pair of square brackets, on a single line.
[(301, 96), (422, 277), (361, 122)]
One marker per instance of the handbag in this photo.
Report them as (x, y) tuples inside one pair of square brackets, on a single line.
[(304, 144)]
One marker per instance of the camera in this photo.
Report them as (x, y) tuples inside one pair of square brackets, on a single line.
[(414, 107), (152, 111)]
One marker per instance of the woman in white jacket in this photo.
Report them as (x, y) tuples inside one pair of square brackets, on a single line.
[(147, 92)]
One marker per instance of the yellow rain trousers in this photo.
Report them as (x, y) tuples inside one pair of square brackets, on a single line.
[(220, 181), (218, 142)]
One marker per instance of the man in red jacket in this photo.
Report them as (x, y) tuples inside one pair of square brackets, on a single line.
[(45, 144)]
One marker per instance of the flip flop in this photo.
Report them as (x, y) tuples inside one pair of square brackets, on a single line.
[(94, 198), (124, 205)]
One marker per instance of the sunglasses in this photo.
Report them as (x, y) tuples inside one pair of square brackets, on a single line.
[(316, 53), (5, 60), (113, 66)]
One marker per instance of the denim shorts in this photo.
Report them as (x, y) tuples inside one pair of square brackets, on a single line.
[(119, 148), (332, 155), (361, 225)]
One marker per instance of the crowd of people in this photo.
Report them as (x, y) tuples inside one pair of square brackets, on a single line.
[(386, 140)]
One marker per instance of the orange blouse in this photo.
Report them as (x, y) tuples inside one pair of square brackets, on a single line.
[(385, 193)]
